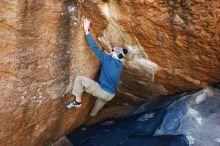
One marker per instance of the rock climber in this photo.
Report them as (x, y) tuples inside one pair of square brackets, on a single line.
[(111, 70)]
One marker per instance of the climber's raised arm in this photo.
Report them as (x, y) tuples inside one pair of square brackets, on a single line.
[(98, 52)]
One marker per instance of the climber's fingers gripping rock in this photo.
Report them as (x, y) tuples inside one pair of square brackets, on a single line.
[(86, 25)]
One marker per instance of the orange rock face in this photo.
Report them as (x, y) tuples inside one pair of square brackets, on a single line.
[(173, 46), (182, 38), (42, 50)]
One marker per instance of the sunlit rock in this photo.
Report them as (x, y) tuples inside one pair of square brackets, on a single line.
[(173, 46)]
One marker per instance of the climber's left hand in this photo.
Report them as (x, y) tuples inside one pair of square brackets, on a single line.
[(86, 25)]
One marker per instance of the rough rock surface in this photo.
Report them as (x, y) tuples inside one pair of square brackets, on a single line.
[(42, 50), (173, 45)]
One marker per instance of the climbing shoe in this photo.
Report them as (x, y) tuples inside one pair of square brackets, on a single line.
[(73, 104)]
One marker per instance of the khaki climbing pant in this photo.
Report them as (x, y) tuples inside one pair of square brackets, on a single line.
[(90, 86)]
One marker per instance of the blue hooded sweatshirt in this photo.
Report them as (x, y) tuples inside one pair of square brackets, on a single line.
[(111, 68)]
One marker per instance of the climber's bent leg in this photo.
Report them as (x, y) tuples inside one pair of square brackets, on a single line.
[(90, 86), (80, 85), (99, 103), (102, 98)]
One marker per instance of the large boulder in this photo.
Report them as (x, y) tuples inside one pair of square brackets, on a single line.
[(173, 46), (42, 50)]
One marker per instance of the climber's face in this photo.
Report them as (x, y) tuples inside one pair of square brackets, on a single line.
[(117, 50), (114, 52)]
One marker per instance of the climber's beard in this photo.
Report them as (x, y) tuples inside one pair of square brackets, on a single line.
[(114, 55)]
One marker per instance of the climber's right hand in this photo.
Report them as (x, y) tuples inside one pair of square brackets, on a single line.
[(86, 25)]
